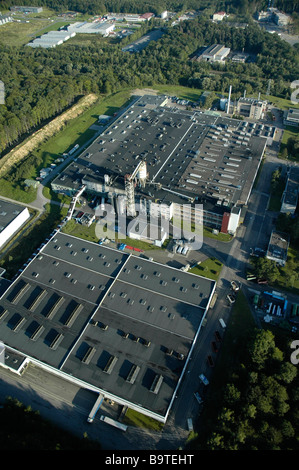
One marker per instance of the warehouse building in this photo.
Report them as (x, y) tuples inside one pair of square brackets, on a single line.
[(12, 218), (27, 9), (290, 195), (104, 28), (278, 247), (5, 19), (164, 158), (215, 53), (291, 117), (51, 39), (108, 321)]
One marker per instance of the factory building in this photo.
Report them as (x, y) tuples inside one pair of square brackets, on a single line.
[(290, 195), (5, 19), (12, 218), (251, 108), (104, 28), (26, 9), (116, 324), (51, 39), (291, 117), (215, 53), (278, 247), (165, 158)]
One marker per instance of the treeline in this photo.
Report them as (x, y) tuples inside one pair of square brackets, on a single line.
[(94, 7), (41, 83), (257, 409)]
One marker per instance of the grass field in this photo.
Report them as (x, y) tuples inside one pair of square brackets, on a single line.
[(133, 418), (77, 131), (210, 268)]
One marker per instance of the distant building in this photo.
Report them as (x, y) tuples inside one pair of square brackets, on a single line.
[(291, 117), (146, 16), (51, 39), (12, 217), (215, 53), (219, 16), (290, 195), (281, 19), (251, 108), (26, 9), (5, 19), (104, 28), (278, 247), (240, 57)]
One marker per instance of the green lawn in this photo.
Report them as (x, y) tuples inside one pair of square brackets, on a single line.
[(210, 268), (222, 237), (89, 233), (185, 93), (275, 198), (134, 418), (286, 280), (288, 133)]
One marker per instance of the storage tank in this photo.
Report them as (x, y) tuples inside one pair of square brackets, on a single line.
[(223, 102)]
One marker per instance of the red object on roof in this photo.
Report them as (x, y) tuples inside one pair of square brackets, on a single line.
[(146, 15)]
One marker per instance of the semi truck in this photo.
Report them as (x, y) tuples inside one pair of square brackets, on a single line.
[(95, 408)]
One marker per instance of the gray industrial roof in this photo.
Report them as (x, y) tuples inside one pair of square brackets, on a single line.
[(8, 212), (189, 152), (78, 305)]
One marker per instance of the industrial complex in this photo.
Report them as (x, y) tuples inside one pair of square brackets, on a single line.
[(163, 158)]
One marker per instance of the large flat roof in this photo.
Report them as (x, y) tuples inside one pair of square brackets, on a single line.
[(76, 298), (191, 153)]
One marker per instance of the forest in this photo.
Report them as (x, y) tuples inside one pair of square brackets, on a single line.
[(41, 83), (257, 408), (94, 7)]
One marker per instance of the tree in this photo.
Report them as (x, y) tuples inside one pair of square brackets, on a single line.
[(261, 348)]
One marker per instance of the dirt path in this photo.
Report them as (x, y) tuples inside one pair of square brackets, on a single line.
[(144, 91), (56, 125)]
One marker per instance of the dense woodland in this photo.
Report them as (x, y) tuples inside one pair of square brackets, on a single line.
[(156, 6), (39, 84), (257, 409)]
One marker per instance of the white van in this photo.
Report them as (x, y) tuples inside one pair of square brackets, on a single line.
[(222, 323), (190, 424)]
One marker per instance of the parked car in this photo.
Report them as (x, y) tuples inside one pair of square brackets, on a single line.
[(217, 336), (198, 398), (231, 298), (210, 361), (204, 379), (235, 286)]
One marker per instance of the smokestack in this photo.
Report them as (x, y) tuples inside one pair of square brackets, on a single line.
[(228, 103)]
